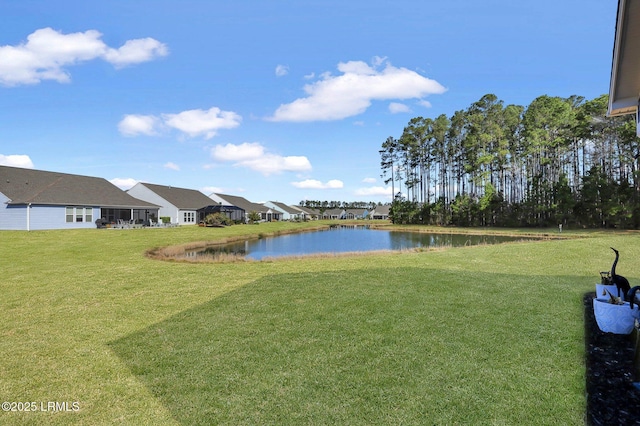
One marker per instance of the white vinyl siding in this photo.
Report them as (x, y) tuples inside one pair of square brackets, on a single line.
[(189, 217)]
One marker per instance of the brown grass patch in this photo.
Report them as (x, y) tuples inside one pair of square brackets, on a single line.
[(179, 253)]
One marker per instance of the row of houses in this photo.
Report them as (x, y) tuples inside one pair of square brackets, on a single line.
[(37, 200)]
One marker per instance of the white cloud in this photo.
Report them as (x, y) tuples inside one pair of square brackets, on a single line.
[(47, 53), (396, 107), (376, 191), (123, 183), (425, 103), (369, 180), (133, 125), (316, 184), (195, 122), (352, 92), (242, 152), (208, 190), (282, 70), (22, 161), (135, 52), (255, 157), (198, 122), (271, 163), (378, 60), (171, 166)]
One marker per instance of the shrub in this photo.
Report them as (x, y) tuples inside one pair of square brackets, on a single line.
[(217, 219)]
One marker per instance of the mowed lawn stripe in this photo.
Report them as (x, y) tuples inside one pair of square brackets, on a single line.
[(490, 334)]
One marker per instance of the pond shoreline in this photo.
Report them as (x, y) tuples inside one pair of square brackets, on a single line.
[(186, 252)]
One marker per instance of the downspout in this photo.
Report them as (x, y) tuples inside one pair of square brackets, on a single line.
[(28, 217)]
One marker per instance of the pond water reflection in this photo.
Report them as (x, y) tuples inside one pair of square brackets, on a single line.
[(346, 238)]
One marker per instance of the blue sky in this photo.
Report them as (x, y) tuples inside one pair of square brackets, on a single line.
[(272, 100)]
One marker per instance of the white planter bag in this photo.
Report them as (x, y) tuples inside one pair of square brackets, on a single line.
[(601, 291), (611, 318)]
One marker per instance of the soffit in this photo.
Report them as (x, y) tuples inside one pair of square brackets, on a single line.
[(625, 70)]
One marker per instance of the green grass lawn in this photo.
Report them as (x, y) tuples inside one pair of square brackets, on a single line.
[(473, 335)]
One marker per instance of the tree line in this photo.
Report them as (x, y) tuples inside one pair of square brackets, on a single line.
[(556, 161), (330, 205)]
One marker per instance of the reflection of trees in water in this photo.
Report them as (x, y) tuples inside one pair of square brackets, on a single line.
[(405, 240), (340, 239), (237, 249)]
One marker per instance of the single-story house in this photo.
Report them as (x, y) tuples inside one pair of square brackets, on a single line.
[(287, 212), (380, 213), (334, 214), (266, 213), (36, 199), (355, 214), (307, 213), (179, 204)]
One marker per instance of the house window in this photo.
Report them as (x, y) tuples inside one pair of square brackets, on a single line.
[(78, 214), (189, 217)]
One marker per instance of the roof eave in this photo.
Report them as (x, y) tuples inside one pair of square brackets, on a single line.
[(107, 206), (627, 105)]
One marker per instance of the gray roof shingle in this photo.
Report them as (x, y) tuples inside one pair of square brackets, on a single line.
[(243, 203), (24, 186), (285, 207), (182, 198)]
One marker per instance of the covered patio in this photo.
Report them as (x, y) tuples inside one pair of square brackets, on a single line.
[(129, 216), (232, 212)]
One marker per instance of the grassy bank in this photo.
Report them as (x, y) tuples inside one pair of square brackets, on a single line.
[(488, 334)]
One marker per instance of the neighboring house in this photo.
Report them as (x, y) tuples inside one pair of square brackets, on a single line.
[(287, 212), (334, 214), (265, 212), (380, 213), (180, 204), (307, 213), (35, 199), (355, 214)]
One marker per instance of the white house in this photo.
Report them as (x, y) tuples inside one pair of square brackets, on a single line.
[(287, 212), (266, 213), (307, 213), (179, 204), (334, 214), (380, 213), (355, 214)]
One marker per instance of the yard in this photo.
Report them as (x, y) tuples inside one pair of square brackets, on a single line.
[(485, 334)]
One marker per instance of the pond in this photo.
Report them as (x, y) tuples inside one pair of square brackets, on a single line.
[(344, 239)]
